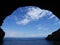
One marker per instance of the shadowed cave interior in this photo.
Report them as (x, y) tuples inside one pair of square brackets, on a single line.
[(10, 6)]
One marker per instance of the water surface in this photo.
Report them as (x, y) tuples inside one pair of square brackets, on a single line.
[(28, 41)]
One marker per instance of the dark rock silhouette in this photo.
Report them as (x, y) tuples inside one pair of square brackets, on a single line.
[(56, 42), (55, 36), (2, 33)]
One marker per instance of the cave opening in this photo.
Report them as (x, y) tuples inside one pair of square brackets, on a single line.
[(30, 21), (7, 8)]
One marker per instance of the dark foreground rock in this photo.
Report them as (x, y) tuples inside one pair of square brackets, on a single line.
[(2, 33), (55, 36)]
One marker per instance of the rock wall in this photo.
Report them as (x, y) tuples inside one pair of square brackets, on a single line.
[(55, 36), (8, 6)]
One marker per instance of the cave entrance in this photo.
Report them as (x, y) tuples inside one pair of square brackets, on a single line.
[(30, 21)]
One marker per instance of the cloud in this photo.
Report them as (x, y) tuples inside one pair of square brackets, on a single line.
[(52, 16), (15, 34), (39, 27), (33, 13), (12, 33), (24, 21)]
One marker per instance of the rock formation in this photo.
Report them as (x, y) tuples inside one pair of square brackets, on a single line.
[(2, 33), (8, 6), (55, 36)]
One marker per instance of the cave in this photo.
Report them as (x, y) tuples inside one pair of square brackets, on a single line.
[(7, 7)]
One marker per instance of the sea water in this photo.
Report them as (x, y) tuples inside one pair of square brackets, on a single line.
[(28, 41)]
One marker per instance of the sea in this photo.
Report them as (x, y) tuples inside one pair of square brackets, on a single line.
[(28, 41)]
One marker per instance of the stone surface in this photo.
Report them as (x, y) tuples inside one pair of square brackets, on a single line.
[(8, 6), (55, 36), (2, 34)]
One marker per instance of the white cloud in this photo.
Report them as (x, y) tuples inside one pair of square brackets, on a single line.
[(52, 16), (39, 27), (57, 18), (15, 34), (33, 13), (24, 21)]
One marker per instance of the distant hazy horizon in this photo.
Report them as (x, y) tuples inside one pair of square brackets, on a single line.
[(25, 37), (30, 21)]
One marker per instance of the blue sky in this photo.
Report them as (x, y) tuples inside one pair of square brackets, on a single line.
[(30, 21)]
